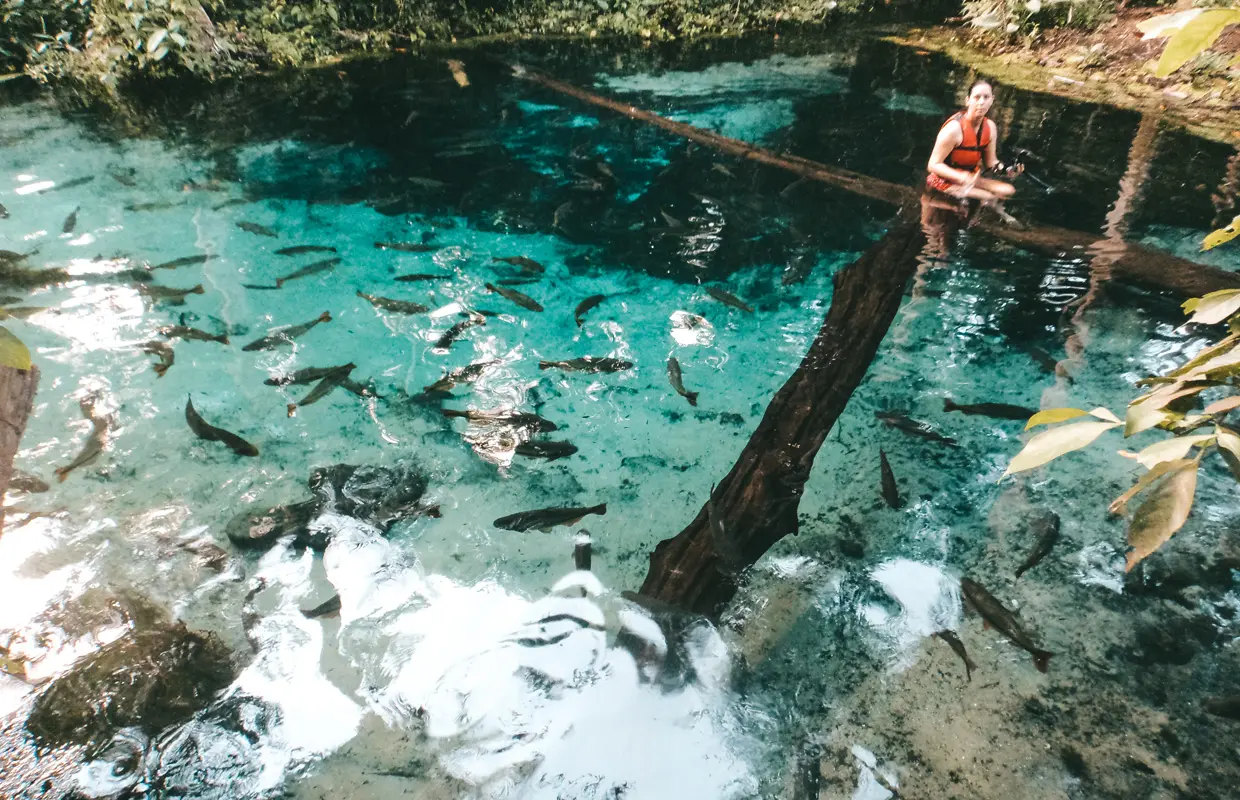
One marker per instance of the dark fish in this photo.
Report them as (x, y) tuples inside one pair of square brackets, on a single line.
[(513, 418), (957, 646), (728, 299), (25, 482), (1003, 620), (996, 410), (359, 389), (70, 221), (282, 336), (4, 212), (673, 374), (301, 376), (589, 364), (544, 519), (585, 305), (301, 249), (94, 445), (236, 201), (523, 300), (466, 374), (173, 296), (326, 265), (518, 281), (452, 334), (164, 351), (526, 264), (185, 332), (71, 184), (157, 206), (397, 306), (124, 179), (187, 261), (890, 492), (324, 387), (407, 247), (897, 420), (328, 608), (1046, 526), (1226, 706), (422, 276), (548, 450), (798, 269), (203, 430), (259, 230)]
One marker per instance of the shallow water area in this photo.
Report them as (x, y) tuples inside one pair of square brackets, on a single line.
[(464, 659)]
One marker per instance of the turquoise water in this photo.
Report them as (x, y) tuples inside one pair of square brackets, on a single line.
[(470, 661)]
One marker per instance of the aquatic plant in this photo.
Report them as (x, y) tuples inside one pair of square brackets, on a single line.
[(1170, 480)]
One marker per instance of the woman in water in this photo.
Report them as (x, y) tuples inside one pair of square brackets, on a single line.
[(965, 146)]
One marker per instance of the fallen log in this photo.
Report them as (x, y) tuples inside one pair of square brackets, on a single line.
[(1132, 262), (756, 504), (17, 388)]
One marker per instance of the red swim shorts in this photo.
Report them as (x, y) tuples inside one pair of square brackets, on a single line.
[(938, 184)]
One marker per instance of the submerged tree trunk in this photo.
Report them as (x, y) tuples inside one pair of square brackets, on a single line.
[(756, 504), (17, 389)]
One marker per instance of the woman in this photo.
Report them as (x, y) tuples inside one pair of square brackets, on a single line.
[(965, 146)]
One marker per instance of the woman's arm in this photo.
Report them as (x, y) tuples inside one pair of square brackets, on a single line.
[(949, 139), (992, 148)]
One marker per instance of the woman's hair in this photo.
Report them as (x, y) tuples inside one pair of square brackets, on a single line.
[(978, 83)]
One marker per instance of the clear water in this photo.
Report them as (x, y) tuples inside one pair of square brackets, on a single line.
[(437, 678)]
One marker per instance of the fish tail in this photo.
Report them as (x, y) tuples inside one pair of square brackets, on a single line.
[(1042, 659), (326, 316), (579, 321), (545, 365), (222, 339), (692, 398), (601, 508), (292, 409), (1021, 570), (453, 412), (198, 290), (160, 369), (279, 283), (949, 405), (61, 473)]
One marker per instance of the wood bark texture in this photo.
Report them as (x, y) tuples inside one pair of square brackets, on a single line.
[(17, 388)]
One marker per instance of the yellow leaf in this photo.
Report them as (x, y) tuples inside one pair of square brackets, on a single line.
[(1168, 450), (1164, 25), (1051, 444), (1102, 413), (1219, 406), (1053, 415), (1162, 514), (1222, 235), (1205, 355), (1229, 448), (1214, 307), (1142, 417), (1190, 41), (12, 352), (1160, 469)]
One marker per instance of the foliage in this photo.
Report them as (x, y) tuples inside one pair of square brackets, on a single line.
[(1170, 482), (33, 27), (1015, 17), (1191, 35)]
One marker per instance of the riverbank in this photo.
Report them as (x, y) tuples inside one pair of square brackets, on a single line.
[(1111, 65)]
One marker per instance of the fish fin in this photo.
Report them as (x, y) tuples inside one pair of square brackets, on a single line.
[(1042, 660), (326, 316), (198, 290), (292, 409), (692, 398), (222, 340), (948, 405), (259, 286)]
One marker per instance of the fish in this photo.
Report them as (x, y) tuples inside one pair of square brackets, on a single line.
[(302, 249), (894, 419), (397, 306), (585, 305), (169, 294), (798, 269), (258, 230), (466, 374), (458, 72), (548, 450), (94, 445), (513, 418), (1046, 526), (527, 265), (236, 201), (728, 299), (156, 206), (185, 332), (164, 351), (71, 184), (890, 492), (359, 389), (125, 179), (523, 300), (328, 608), (326, 265), (278, 337), (323, 388), (452, 334), (301, 376), (407, 247), (517, 281), (995, 614), (1225, 706), (673, 374), (422, 276), (957, 646), (996, 410), (25, 482), (4, 212), (588, 364), (70, 221), (544, 519), (186, 261), (203, 430)]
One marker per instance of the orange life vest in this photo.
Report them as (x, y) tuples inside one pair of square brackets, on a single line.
[(968, 154)]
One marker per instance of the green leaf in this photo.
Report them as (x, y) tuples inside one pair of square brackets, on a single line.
[(1053, 415), (13, 353), (1214, 307), (1194, 38), (1163, 513), (1160, 469), (1168, 450), (1049, 445), (1223, 235), (156, 39)]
